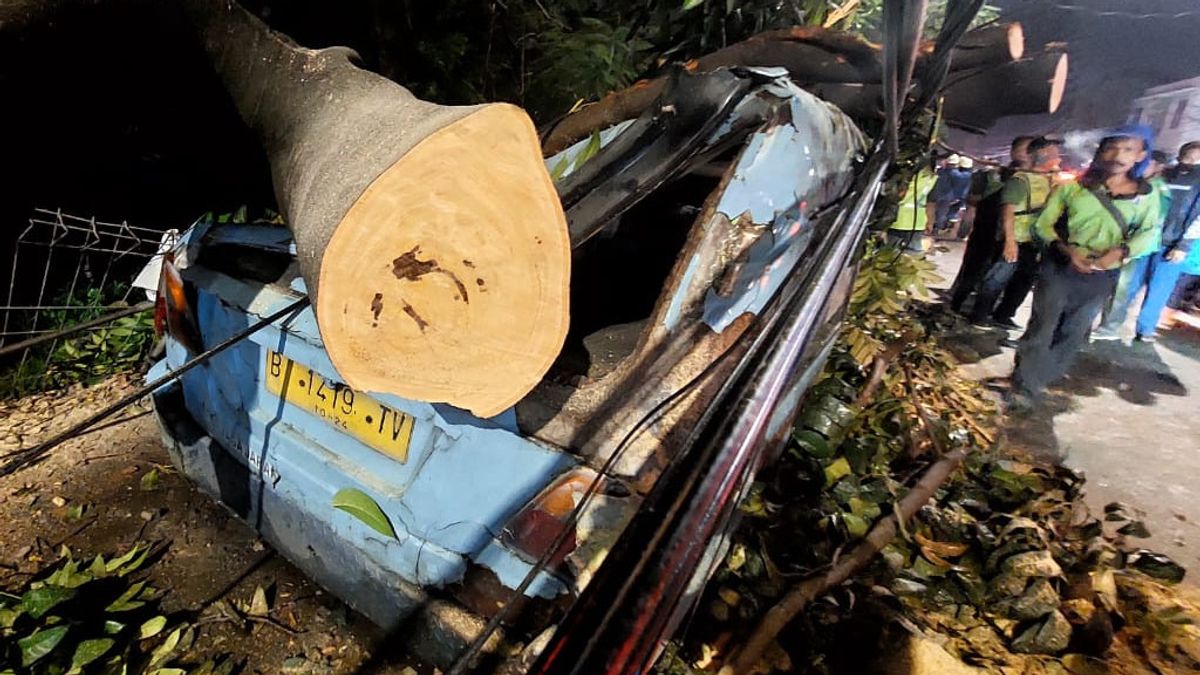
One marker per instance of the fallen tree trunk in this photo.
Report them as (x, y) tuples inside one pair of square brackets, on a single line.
[(430, 237), (812, 588), (976, 100), (1026, 87), (989, 46), (818, 59)]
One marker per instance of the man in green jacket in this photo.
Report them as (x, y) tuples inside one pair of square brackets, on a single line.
[(1013, 274), (1111, 215)]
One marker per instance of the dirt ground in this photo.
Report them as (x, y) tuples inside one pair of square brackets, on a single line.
[(211, 556)]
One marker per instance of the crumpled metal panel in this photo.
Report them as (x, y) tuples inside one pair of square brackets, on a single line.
[(785, 174)]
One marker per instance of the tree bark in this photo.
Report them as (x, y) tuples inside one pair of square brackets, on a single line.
[(1026, 87), (989, 46)]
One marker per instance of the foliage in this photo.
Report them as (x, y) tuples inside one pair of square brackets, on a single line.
[(85, 357), (868, 18), (116, 347), (887, 281), (1006, 563), (92, 617), (547, 55)]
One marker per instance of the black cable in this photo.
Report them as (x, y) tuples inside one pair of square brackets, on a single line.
[(77, 328), (22, 458)]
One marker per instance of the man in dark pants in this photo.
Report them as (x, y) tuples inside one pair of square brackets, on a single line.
[(983, 244), (1111, 214), (1013, 274)]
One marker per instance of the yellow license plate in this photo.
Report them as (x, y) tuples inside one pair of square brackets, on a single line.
[(383, 428)]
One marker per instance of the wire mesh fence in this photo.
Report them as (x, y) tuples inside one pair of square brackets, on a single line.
[(68, 271)]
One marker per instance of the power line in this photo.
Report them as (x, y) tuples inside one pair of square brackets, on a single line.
[(1125, 14)]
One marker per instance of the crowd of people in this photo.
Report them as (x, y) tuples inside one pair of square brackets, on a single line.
[(1086, 247)]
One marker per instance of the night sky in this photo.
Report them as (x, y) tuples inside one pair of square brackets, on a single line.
[(1112, 58)]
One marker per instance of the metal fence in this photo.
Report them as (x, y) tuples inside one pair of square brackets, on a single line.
[(66, 272)]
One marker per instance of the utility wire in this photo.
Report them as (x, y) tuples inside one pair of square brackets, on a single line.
[(15, 461), (1125, 14), (50, 335)]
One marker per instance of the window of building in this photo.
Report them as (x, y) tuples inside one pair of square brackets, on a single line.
[(1178, 118)]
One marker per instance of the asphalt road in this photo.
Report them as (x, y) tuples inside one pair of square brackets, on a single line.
[(1127, 415)]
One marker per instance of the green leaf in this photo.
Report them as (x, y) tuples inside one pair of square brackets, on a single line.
[(90, 650), (113, 627), (152, 627), (126, 602), (560, 168), (360, 505), (9, 616), (41, 600), (691, 4), (589, 150), (40, 644), (150, 479), (69, 576), (163, 652), (813, 443), (124, 566), (116, 563), (855, 526), (839, 469)]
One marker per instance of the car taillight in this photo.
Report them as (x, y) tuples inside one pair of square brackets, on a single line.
[(532, 531), (172, 312)]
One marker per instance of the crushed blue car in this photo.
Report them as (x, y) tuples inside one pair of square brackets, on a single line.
[(685, 222)]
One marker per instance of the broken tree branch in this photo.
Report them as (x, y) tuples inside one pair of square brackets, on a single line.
[(823, 61), (881, 534), (883, 360)]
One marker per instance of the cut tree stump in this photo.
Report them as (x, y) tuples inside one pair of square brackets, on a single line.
[(431, 238)]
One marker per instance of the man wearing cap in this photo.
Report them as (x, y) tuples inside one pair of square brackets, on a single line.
[(1022, 200), (1159, 270), (1109, 216)]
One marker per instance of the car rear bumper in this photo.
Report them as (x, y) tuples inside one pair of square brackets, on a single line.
[(304, 536)]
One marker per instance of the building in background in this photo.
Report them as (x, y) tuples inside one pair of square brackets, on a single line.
[(1172, 110)]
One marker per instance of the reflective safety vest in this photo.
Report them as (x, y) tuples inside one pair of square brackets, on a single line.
[(910, 214), (1038, 187)]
